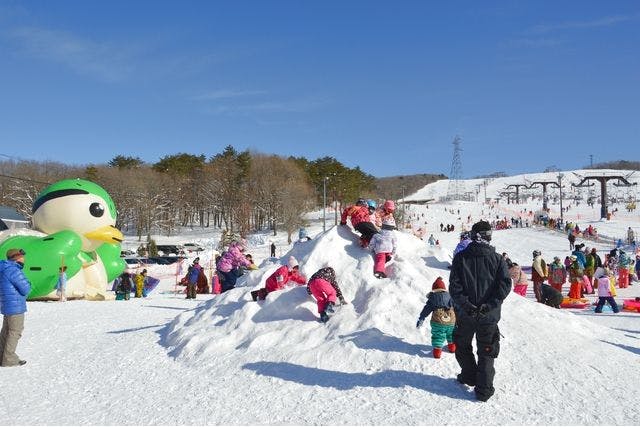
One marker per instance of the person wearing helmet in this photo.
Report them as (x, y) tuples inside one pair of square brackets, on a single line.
[(478, 283), (538, 274), (360, 220), (374, 217)]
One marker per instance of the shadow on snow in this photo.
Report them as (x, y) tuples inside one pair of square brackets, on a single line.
[(347, 381)]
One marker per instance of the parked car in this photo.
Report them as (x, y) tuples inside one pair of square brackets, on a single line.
[(172, 259), (192, 247), (159, 260), (133, 262), (169, 250)]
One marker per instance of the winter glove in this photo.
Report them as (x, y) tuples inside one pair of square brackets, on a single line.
[(471, 309), (419, 323), (483, 310)]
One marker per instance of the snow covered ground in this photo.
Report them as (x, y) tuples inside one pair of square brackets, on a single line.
[(228, 360)]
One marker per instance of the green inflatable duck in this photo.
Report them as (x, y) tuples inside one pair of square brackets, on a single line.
[(76, 220)]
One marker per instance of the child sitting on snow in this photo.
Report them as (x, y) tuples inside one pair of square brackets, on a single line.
[(443, 318), (324, 288), (383, 245), (606, 291)]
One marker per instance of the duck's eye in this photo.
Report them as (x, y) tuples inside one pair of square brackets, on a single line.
[(96, 210)]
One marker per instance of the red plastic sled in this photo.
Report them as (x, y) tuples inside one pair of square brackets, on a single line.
[(574, 303), (631, 305)]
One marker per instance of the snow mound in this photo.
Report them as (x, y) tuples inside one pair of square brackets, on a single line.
[(552, 348)]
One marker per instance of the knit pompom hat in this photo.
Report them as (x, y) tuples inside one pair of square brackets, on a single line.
[(438, 284)]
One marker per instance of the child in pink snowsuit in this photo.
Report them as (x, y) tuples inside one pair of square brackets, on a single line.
[(325, 290), (384, 246)]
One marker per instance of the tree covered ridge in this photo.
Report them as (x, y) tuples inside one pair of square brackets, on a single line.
[(232, 190)]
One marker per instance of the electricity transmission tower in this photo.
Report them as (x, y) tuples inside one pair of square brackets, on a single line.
[(456, 190)]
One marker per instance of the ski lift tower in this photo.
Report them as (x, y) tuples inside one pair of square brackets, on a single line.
[(517, 187), (603, 179), (544, 190), (456, 190)]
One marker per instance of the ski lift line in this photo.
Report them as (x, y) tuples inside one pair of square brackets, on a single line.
[(25, 179)]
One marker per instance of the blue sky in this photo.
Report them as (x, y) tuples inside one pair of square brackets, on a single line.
[(381, 85)]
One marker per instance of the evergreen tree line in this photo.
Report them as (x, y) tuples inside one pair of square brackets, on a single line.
[(235, 191)]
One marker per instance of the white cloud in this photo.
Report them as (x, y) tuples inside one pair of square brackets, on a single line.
[(602, 22), (535, 42), (293, 106), (102, 60), (227, 94)]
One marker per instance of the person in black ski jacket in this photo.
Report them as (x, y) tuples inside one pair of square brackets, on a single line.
[(478, 284), (550, 296)]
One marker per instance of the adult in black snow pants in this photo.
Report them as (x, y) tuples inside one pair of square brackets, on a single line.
[(478, 284)]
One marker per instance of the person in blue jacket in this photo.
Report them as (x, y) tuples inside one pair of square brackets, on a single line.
[(464, 242), (192, 277), (14, 288)]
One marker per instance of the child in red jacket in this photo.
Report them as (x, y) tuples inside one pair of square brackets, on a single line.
[(280, 278), (360, 220)]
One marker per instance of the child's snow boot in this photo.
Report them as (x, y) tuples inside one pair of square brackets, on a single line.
[(452, 347), (324, 317), (254, 295), (330, 308), (437, 352)]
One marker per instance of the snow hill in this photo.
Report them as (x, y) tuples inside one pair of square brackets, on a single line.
[(553, 364), (226, 359)]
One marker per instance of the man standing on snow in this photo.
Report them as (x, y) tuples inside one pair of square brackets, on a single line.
[(14, 288), (478, 284)]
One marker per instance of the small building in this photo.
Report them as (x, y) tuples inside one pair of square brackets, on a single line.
[(11, 219)]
